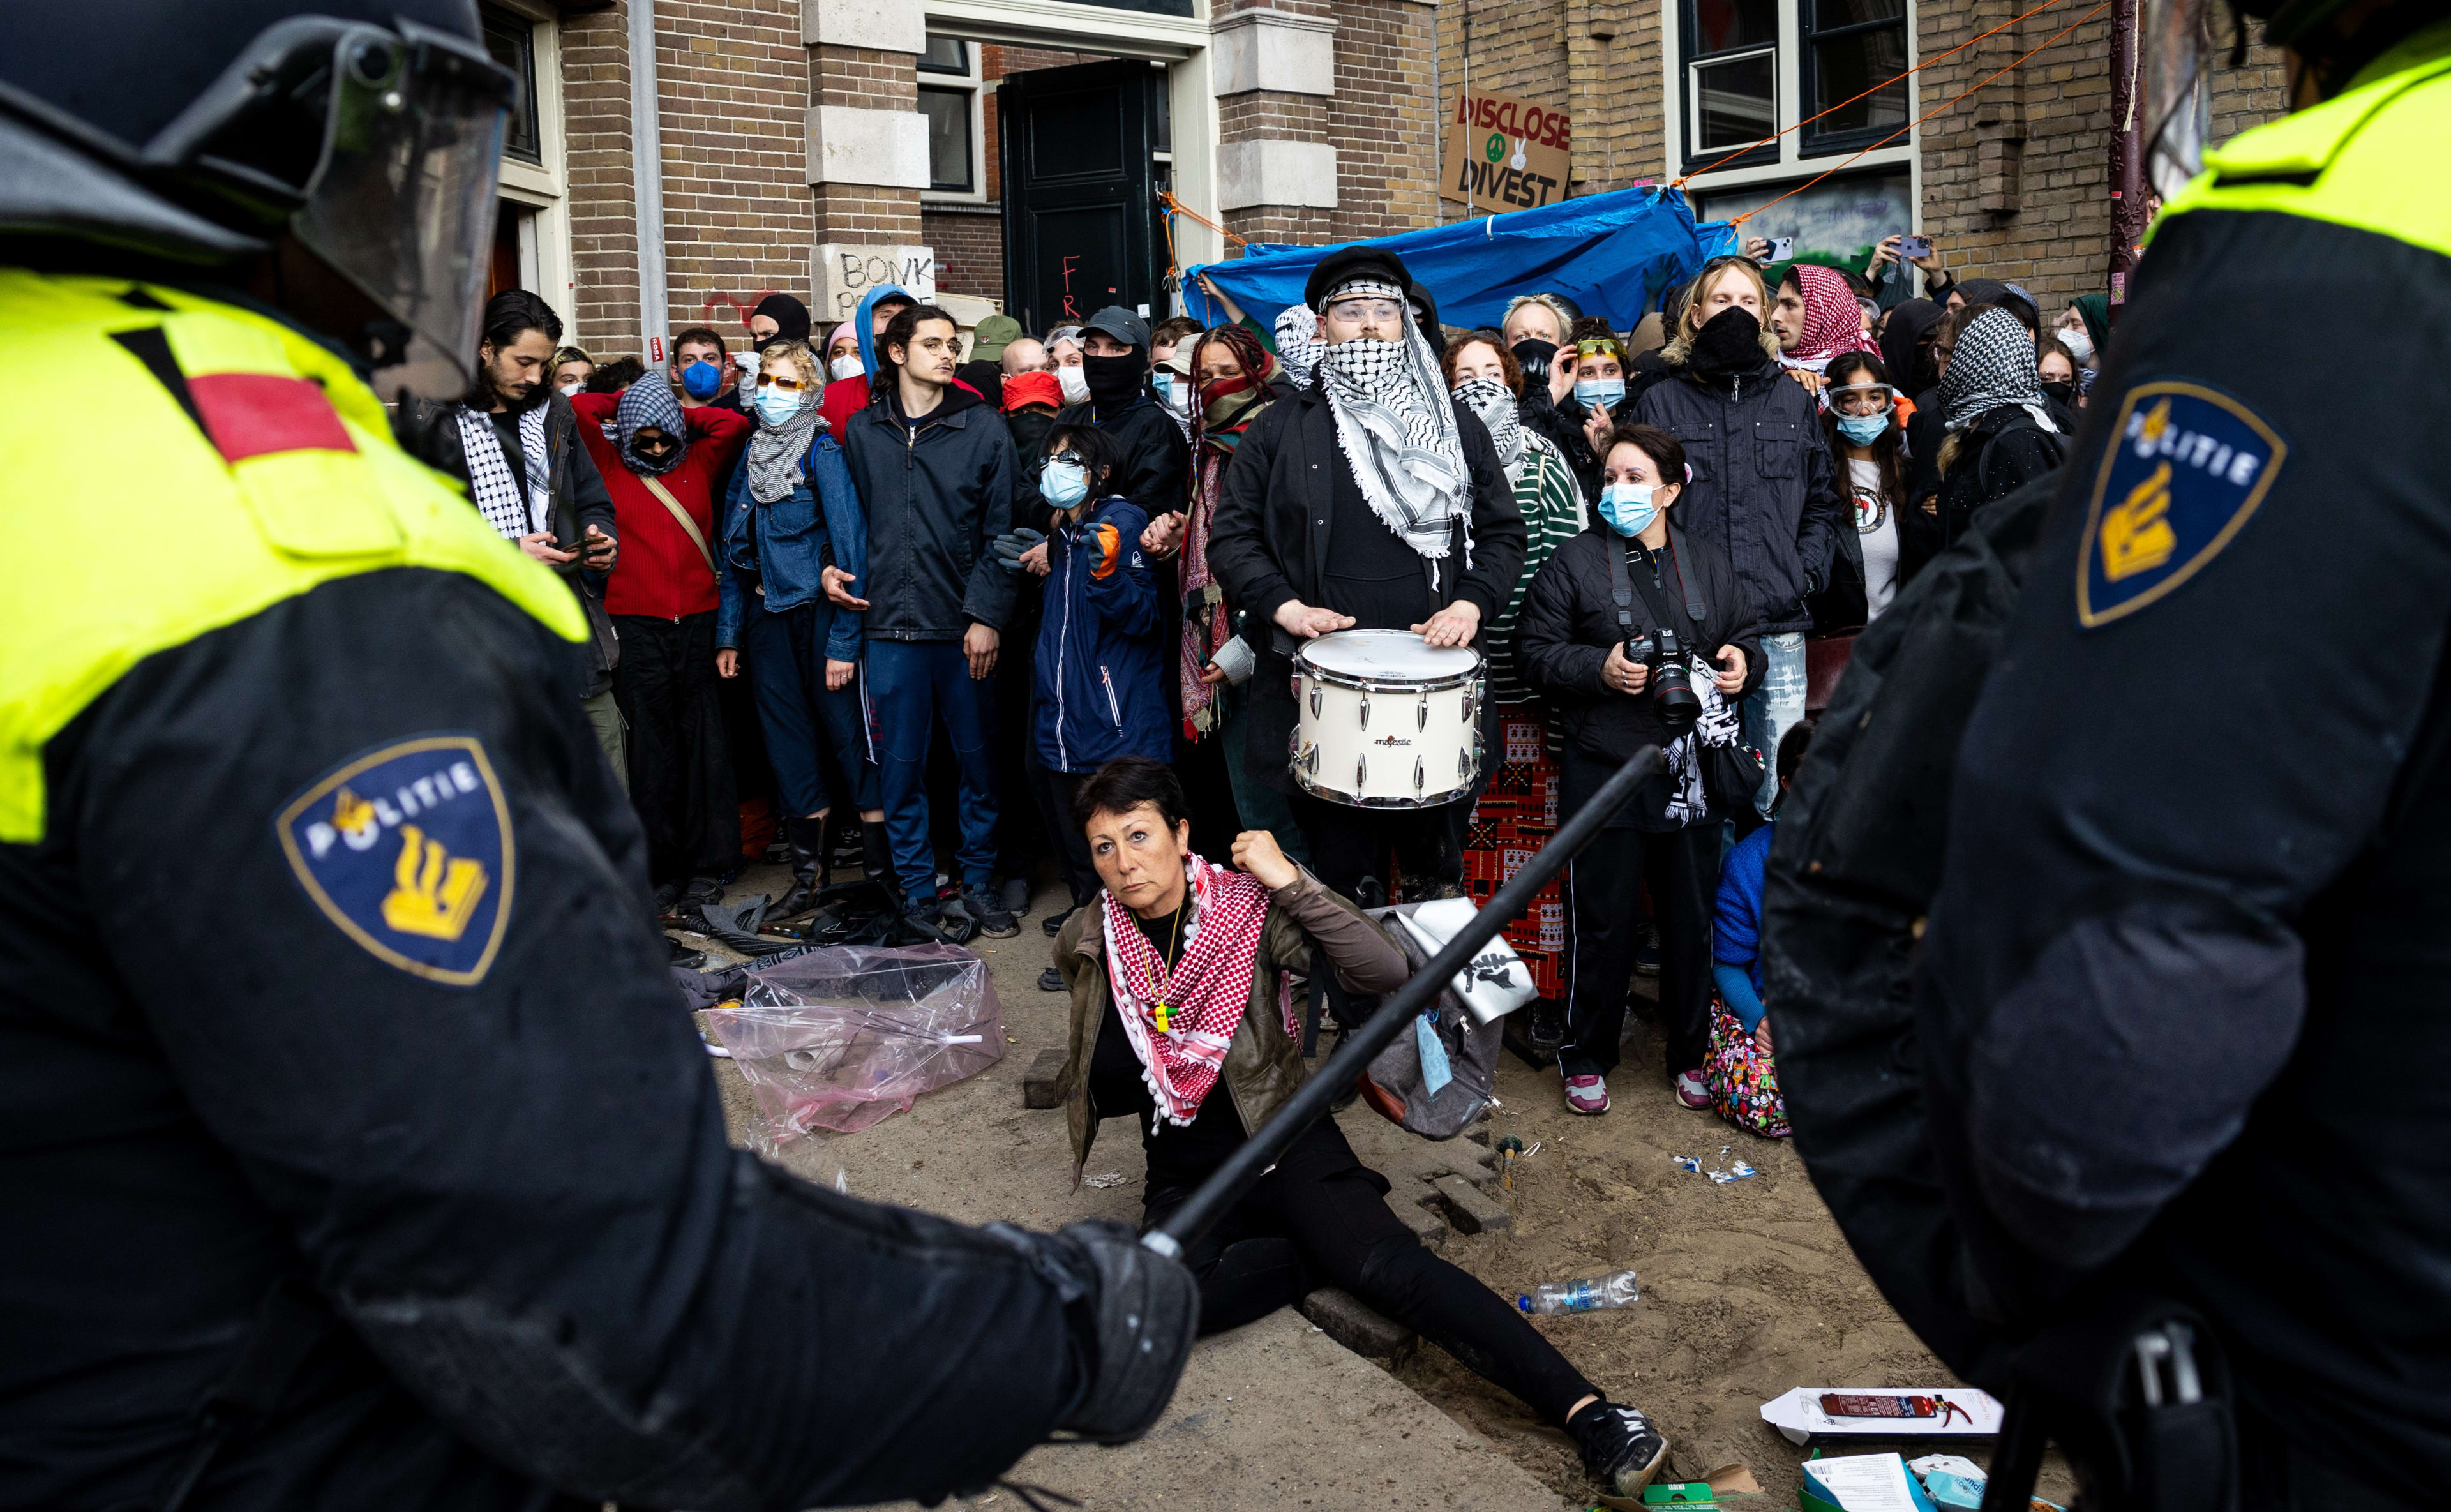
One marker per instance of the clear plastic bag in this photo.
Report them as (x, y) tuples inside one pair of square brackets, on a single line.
[(840, 1038)]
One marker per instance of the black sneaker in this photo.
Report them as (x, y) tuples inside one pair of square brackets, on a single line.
[(1016, 893), (1053, 923), (995, 921), (1620, 1447), (1052, 980)]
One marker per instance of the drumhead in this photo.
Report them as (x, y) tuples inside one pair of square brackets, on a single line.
[(1397, 656)]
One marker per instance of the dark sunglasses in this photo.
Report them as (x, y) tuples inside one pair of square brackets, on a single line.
[(653, 449)]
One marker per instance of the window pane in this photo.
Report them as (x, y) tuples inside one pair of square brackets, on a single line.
[(1829, 14), (948, 137), (511, 41), (1719, 25), (946, 55), (1846, 66), (1735, 104)]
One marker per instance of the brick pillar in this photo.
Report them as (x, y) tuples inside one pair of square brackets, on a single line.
[(732, 77), (603, 215), (1275, 73), (867, 157), (1384, 119)]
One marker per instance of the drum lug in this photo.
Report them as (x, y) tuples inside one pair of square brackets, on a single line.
[(1366, 711), (1314, 699), (1464, 765), (1418, 776), (1422, 713), (1311, 760), (1360, 773)]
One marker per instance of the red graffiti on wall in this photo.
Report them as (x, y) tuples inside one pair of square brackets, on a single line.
[(1069, 312), (741, 304)]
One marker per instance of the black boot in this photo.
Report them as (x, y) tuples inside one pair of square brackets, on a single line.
[(875, 856), (808, 868)]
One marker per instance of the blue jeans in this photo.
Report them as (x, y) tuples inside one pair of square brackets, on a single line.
[(1776, 707), (815, 739), (910, 684)]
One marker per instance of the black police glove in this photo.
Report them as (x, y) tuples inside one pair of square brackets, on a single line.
[(1135, 1314), (1009, 546)]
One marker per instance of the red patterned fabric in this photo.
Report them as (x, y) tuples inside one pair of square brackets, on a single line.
[(1203, 997), (1515, 818), (1834, 322)]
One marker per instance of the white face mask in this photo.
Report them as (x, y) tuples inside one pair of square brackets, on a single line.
[(2079, 342), (1074, 382), (847, 366), (573, 389)]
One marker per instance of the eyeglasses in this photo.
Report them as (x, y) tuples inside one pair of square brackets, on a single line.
[(1068, 456), (1366, 309), (654, 447), (1863, 399), (790, 386)]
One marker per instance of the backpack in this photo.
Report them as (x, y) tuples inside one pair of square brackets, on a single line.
[(1861, 839), (1397, 1086)]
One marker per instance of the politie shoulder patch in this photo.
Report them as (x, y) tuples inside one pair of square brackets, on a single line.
[(2186, 474), (407, 850)]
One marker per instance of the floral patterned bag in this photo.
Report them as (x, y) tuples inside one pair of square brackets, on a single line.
[(1743, 1081)]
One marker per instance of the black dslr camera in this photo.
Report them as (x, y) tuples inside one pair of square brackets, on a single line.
[(1669, 675)]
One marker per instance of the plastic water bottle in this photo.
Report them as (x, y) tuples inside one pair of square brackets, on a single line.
[(1595, 1294)]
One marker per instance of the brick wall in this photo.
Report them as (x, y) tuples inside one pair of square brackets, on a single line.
[(733, 79), (968, 242), (603, 218), (1383, 119)]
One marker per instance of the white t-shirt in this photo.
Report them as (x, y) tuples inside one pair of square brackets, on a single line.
[(1876, 530)]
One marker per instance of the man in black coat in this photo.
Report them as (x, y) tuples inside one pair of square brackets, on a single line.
[(1115, 363), (1432, 545)]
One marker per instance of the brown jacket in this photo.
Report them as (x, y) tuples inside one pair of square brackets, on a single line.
[(1264, 1064)]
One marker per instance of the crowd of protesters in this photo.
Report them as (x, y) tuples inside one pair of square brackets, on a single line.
[(957, 573)]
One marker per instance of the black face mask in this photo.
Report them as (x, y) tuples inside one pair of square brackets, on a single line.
[(1115, 379), (1728, 343), (1533, 355), (2065, 393)]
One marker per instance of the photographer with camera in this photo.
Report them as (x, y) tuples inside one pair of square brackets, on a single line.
[(1613, 633)]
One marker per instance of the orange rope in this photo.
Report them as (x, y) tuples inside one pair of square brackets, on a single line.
[(1926, 116), (1678, 182), (1168, 199)]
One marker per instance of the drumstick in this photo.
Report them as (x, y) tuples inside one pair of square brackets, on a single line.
[(1230, 1182)]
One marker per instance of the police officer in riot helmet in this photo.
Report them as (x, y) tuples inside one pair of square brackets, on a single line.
[(356, 1147), (2182, 1003)]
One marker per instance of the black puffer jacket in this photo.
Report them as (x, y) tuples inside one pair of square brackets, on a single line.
[(1763, 493), (1568, 621), (934, 495)]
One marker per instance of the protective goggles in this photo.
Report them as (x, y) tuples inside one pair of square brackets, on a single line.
[(1359, 307), (1863, 399), (397, 194), (1599, 346)]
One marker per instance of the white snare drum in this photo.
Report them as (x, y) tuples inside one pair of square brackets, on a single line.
[(1384, 720)]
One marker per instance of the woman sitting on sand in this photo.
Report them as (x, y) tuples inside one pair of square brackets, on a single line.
[(1181, 1020)]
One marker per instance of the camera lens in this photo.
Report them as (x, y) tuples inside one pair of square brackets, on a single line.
[(373, 63)]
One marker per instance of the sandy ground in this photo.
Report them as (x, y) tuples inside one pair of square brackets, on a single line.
[(1747, 1288)]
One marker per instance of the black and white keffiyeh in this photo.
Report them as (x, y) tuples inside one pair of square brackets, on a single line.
[(1719, 724), (510, 509), (1498, 408), (1398, 430), (1298, 343), (1991, 368)]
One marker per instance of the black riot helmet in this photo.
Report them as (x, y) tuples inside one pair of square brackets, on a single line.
[(199, 138)]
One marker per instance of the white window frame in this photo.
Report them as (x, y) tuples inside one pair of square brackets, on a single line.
[(545, 264), (975, 88), (1788, 91)]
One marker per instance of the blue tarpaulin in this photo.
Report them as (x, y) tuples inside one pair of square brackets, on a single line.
[(1611, 254)]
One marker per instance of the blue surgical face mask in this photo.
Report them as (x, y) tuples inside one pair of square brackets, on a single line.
[(1589, 392), (1063, 484), (1863, 429), (776, 406), (702, 380), (1628, 508)]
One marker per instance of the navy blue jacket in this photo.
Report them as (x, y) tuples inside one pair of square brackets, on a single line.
[(1102, 646), (781, 546), (933, 494)]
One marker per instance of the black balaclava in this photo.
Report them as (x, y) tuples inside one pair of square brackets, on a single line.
[(1115, 381), (790, 316), (1728, 346)]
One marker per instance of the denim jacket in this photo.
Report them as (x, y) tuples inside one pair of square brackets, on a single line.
[(781, 546)]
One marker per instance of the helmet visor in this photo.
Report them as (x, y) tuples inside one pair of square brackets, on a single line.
[(2176, 41), (401, 203)]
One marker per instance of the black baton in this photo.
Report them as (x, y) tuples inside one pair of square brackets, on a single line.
[(1243, 1170)]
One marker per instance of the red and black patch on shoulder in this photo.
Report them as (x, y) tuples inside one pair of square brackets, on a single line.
[(243, 415)]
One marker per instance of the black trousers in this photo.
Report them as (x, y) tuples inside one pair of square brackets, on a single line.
[(1321, 1219), (1604, 926), (681, 760), (1053, 791), (1347, 844)]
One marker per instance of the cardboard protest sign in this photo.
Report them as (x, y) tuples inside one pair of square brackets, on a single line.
[(1505, 154)]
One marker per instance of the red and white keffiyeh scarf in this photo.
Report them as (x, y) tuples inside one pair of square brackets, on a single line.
[(1180, 1022)]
